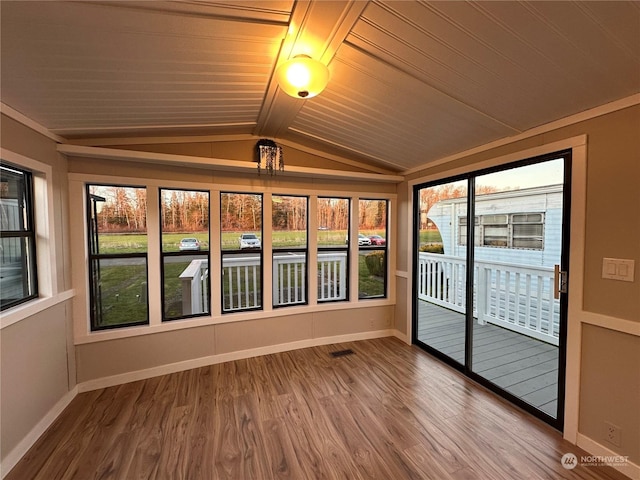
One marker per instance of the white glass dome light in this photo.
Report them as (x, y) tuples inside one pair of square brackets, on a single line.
[(302, 77)]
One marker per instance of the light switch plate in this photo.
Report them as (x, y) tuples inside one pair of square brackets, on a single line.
[(618, 269)]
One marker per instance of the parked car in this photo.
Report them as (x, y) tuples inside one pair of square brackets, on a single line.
[(187, 244), (377, 240), (249, 240), (363, 240)]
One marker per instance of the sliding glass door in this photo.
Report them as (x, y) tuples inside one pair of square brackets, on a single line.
[(489, 264)]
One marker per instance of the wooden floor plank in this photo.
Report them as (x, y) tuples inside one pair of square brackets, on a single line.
[(387, 411)]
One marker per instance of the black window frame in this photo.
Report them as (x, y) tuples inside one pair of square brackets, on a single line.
[(28, 257), (304, 250), (239, 251), (373, 248), (95, 256), (344, 249), (164, 255)]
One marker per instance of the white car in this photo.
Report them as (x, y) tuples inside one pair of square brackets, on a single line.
[(189, 244), (363, 240), (249, 240)]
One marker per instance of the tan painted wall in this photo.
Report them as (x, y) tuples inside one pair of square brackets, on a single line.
[(613, 200), (610, 388), (612, 230), (144, 352), (37, 353)]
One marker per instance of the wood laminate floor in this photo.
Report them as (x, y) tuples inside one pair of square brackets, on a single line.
[(389, 411)]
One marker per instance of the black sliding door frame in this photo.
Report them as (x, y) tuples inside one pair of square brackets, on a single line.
[(467, 368)]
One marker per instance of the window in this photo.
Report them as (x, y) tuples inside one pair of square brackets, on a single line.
[(333, 249), (18, 281), (184, 220), (528, 231), (289, 242), (117, 256), (372, 248), (241, 243), (518, 230)]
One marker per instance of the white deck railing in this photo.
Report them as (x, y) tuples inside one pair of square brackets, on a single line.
[(517, 297), (241, 277)]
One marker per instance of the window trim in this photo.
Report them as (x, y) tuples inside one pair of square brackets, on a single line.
[(78, 243), (49, 290)]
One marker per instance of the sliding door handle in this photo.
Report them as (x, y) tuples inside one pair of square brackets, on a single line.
[(560, 282)]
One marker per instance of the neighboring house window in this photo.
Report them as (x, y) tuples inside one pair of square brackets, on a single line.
[(372, 248), (184, 223), (117, 255), (241, 244), (289, 242), (333, 249), (18, 280), (517, 230)]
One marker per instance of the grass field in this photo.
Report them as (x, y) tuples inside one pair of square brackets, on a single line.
[(137, 243)]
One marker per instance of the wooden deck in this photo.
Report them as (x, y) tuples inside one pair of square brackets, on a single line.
[(521, 365)]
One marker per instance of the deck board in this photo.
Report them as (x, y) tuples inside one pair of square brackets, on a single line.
[(524, 366)]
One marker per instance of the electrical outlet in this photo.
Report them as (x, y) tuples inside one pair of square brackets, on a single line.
[(612, 433)]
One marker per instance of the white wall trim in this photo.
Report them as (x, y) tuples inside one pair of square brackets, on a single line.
[(28, 309), (563, 122), (14, 456), (612, 323), (630, 469), (32, 124), (220, 164), (226, 357)]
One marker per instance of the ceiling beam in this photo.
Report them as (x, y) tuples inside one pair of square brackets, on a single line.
[(317, 29)]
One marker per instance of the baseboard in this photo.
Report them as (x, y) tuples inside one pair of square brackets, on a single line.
[(402, 336), (628, 468), (226, 357), (14, 456)]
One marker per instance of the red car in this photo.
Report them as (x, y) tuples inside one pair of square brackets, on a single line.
[(377, 240)]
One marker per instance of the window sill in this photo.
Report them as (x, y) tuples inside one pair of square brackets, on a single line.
[(133, 331), (26, 310)]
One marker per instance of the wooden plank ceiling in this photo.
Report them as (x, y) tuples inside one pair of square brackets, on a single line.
[(411, 82)]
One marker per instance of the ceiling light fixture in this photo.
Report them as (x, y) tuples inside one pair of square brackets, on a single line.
[(269, 156), (302, 76)]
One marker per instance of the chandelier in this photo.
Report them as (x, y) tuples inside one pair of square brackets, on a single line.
[(269, 157)]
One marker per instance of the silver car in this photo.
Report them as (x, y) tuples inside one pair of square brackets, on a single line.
[(249, 240)]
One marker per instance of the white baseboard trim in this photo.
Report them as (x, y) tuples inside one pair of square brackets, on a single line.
[(226, 357), (14, 456), (629, 468)]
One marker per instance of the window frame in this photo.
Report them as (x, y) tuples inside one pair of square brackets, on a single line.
[(90, 210), (304, 250), (374, 248), (345, 249), (164, 254), (239, 251), (29, 256), (483, 221)]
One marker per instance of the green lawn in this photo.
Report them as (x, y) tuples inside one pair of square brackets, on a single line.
[(430, 236), (136, 243)]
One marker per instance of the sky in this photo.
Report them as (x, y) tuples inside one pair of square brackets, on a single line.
[(537, 175)]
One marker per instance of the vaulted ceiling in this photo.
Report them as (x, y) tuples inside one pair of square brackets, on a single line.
[(411, 81)]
